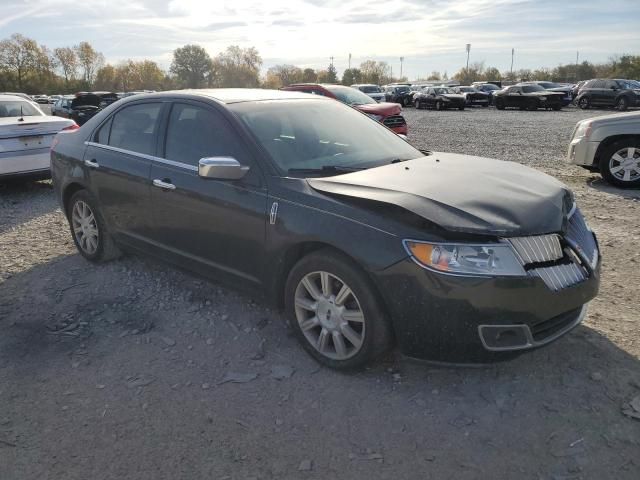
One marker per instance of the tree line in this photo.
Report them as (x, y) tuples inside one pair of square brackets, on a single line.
[(26, 66)]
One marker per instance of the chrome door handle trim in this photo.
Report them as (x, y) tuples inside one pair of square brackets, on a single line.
[(91, 163), (167, 186)]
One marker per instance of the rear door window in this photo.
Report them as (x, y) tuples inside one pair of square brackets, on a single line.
[(196, 132), (134, 128)]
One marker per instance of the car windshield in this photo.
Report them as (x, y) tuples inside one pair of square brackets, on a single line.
[(402, 89), (490, 86), (532, 88), (17, 108), (442, 90), (369, 89), (548, 85), (350, 96), (467, 89), (317, 134)]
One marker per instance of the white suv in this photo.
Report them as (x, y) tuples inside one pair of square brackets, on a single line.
[(374, 91), (611, 145)]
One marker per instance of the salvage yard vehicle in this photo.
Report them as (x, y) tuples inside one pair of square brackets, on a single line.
[(86, 104), (616, 93), (26, 134), (62, 107), (363, 239), (374, 91), (399, 93), (527, 97), (566, 90), (389, 114), (610, 145), (473, 96), (440, 98)]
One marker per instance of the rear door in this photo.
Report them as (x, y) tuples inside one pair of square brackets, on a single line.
[(118, 162), (513, 98), (597, 92), (610, 92), (216, 226)]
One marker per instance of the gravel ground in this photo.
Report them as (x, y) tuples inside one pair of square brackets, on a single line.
[(135, 370)]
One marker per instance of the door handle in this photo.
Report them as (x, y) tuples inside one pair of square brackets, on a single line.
[(91, 163), (164, 185)]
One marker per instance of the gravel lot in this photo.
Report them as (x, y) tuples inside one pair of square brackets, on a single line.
[(135, 370)]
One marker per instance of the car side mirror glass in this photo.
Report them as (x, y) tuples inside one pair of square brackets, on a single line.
[(221, 168)]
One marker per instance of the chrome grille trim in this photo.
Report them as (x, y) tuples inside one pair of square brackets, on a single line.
[(581, 238), (537, 249), (394, 121), (561, 276)]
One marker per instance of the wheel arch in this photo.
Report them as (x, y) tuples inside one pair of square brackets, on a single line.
[(607, 142), (68, 192)]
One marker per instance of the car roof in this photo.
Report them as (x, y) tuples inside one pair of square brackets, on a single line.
[(12, 98), (231, 95)]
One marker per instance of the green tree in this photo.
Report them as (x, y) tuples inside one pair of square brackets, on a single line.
[(283, 75), (434, 76), (238, 67), (374, 72), (18, 57), (192, 66), (330, 75), (90, 61), (105, 78), (68, 62), (351, 76), (309, 75), (492, 73)]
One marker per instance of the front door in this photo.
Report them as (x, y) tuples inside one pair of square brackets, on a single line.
[(117, 161), (215, 226)]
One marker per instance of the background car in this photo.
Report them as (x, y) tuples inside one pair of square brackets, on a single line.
[(487, 87), (566, 90), (374, 91), (609, 144), (473, 96), (62, 107), (440, 98), (399, 93), (527, 97), (43, 99), (86, 104), (26, 134), (617, 93), (575, 89), (389, 114)]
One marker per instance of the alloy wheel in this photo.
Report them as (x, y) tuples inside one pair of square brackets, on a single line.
[(85, 227), (329, 315), (621, 104), (583, 103), (625, 164)]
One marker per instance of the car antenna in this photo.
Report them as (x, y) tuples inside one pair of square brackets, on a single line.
[(21, 119)]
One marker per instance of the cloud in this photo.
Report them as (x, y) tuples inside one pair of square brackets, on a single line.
[(430, 34)]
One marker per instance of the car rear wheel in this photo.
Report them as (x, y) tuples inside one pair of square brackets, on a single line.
[(461, 108), (584, 103), (557, 107), (622, 104), (406, 102), (499, 104), (88, 229), (620, 163), (335, 311)]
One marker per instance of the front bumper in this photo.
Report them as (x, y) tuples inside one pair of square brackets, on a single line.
[(582, 152), (454, 318)]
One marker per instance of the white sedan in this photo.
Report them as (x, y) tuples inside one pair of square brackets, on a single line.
[(26, 134)]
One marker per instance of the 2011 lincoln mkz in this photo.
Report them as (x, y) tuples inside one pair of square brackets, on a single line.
[(365, 241)]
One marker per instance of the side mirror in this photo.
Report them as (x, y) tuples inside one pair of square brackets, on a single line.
[(221, 168)]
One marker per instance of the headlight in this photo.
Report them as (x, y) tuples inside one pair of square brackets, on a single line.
[(583, 130), (375, 117), (466, 259)]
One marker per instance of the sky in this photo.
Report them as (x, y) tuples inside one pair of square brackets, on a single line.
[(429, 34)]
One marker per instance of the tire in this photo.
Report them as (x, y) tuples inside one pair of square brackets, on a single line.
[(460, 108), (102, 248), (406, 102), (485, 105), (499, 104), (533, 105), (439, 106), (556, 107), (316, 317), (584, 103), (612, 159), (622, 104)]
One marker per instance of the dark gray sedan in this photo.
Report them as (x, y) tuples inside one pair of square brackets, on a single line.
[(364, 240)]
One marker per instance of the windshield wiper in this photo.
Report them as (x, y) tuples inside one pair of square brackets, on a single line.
[(326, 169)]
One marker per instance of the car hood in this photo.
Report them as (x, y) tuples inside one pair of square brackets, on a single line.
[(462, 193), (452, 96), (383, 108)]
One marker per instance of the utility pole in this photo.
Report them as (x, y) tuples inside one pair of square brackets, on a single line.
[(331, 58), (401, 60), (349, 61), (577, 59), (513, 51), (468, 51)]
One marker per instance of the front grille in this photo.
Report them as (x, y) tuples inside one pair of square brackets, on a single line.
[(559, 262), (537, 249), (581, 238), (394, 121), (548, 328)]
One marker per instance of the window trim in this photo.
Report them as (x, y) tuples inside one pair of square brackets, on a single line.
[(144, 156)]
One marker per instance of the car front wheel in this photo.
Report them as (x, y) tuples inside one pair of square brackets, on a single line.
[(88, 229), (335, 311), (622, 104), (584, 103), (620, 163), (499, 104)]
